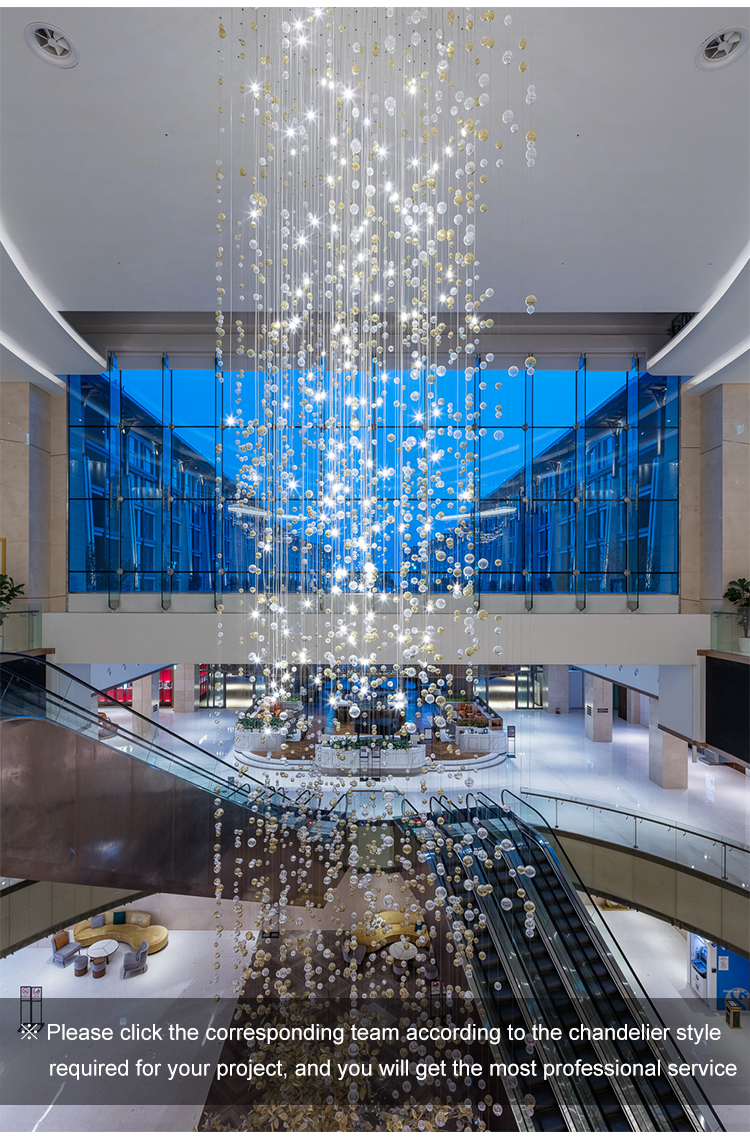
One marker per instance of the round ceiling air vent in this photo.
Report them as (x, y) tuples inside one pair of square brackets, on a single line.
[(51, 44), (722, 49)]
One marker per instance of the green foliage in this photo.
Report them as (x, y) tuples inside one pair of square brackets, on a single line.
[(9, 592), (258, 723), (346, 741), (738, 593)]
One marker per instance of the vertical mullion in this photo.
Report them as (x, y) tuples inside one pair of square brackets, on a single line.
[(114, 521), (166, 496), (528, 492), (579, 562), (631, 495)]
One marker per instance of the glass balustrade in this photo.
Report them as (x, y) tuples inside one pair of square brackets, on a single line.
[(69, 702), (21, 629), (728, 633), (704, 852)]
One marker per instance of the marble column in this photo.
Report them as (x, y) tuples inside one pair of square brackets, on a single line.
[(145, 703), (185, 690), (634, 707), (556, 690), (33, 492), (724, 551), (667, 754), (597, 702)]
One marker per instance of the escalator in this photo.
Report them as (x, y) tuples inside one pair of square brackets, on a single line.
[(554, 970), (131, 806), (34, 690), (537, 1104), (516, 925), (602, 996)]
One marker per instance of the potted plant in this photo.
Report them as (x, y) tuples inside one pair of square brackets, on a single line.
[(738, 593), (9, 592)]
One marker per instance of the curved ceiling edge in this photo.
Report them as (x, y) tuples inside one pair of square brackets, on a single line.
[(40, 294), (659, 362)]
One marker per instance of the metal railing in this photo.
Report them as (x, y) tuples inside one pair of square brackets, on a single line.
[(717, 856)]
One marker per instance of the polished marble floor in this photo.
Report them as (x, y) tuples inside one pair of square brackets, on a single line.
[(183, 970), (657, 952), (553, 755), (655, 949)]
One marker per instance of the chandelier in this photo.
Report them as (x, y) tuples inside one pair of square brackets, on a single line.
[(360, 171)]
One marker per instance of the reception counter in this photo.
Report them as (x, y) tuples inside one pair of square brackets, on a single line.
[(258, 740), (494, 741), (330, 760)]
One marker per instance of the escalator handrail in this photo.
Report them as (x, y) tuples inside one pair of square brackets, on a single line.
[(100, 693), (443, 805), (571, 893), (89, 715), (567, 969), (416, 811), (222, 787)]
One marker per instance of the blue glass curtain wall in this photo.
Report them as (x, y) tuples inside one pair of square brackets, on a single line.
[(560, 482)]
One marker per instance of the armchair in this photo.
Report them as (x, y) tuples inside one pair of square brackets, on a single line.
[(135, 962), (63, 949), (357, 955)]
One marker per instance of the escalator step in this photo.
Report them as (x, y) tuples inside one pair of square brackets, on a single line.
[(554, 1122)]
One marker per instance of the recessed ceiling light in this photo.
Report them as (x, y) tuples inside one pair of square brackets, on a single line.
[(722, 48), (51, 44)]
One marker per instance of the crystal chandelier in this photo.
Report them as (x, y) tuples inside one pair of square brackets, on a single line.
[(359, 172)]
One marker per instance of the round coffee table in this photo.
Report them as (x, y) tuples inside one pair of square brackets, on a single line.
[(102, 950), (403, 951)]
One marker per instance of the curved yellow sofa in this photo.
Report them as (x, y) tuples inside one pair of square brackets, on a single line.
[(388, 927), (133, 931)]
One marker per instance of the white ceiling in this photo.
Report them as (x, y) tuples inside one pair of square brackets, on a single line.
[(639, 196)]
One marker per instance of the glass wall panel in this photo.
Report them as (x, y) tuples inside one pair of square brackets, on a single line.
[(509, 400), (554, 402), (658, 454), (502, 470), (554, 463), (606, 463), (194, 401), (141, 397), (170, 491), (606, 397)]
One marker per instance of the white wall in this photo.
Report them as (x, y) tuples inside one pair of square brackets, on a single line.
[(676, 685), (643, 677), (547, 639), (106, 675)]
